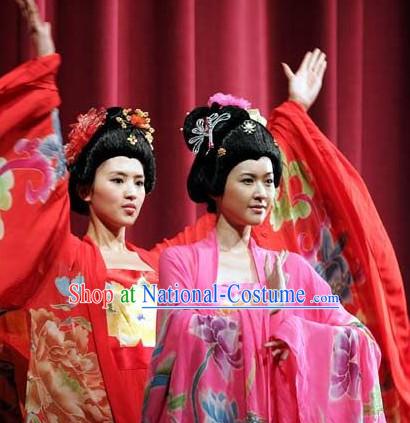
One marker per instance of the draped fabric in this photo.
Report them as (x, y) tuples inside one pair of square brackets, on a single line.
[(167, 56), (209, 365), (324, 212)]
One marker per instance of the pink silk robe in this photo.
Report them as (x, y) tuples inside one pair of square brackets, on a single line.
[(211, 365)]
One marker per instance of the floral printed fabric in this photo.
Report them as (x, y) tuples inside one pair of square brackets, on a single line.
[(64, 379), (6, 183), (127, 318), (224, 339), (324, 211), (211, 366), (345, 377)]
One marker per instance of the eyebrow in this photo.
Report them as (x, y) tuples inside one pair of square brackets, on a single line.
[(119, 173), (253, 174)]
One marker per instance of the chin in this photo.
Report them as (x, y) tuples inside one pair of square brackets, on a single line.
[(128, 222), (257, 220)]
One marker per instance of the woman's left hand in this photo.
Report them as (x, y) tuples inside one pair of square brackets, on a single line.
[(306, 82), (276, 278)]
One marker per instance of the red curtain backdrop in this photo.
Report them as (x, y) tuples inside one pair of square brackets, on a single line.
[(166, 56)]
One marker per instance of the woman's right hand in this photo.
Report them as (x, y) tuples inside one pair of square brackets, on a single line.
[(40, 30)]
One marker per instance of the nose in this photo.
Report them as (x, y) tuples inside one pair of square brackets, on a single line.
[(130, 192), (261, 192)]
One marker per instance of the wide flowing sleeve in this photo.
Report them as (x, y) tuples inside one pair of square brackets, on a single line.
[(337, 358), (34, 206), (325, 212)]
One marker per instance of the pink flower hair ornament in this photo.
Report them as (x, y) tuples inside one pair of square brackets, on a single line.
[(229, 100)]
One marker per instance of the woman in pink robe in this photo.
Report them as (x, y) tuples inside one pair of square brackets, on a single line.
[(297, 363)]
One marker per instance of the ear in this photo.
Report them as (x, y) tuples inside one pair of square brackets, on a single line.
[(217, 199), (85, 193)]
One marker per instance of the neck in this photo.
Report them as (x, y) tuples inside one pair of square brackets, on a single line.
[(231, 237), (107, 238)]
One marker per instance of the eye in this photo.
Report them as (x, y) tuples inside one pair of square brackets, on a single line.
[(269, 181), (139, 183), (117, 180), (247, 181)]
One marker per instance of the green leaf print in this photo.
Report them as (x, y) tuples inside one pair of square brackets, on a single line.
[(176, 402)]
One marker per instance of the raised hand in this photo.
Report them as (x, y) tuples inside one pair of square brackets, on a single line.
[(40, 30), (306, 82), (277, 279)]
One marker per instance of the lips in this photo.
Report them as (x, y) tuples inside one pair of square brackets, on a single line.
[(258, 206), (129, 208)]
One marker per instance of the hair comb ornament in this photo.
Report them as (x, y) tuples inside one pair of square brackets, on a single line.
[(204, 128), (88, 123)]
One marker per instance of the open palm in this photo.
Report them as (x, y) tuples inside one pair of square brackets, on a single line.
[(306, 82), (40, 30)]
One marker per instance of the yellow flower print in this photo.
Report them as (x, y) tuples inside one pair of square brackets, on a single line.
[(291, 206), (127, 320), (6, 183)]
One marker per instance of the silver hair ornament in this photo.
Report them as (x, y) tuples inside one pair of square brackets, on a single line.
[(204, 128)]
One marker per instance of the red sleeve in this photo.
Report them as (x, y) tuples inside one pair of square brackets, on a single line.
[(336, 220), (34, 206)]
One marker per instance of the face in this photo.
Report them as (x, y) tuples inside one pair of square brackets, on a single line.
[(249, 191), (118, 192)]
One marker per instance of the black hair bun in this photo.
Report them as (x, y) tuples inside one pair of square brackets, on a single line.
[(113, 113), (221, 119)]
